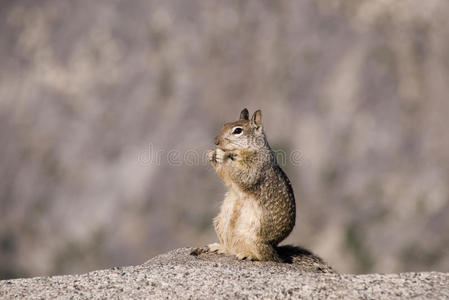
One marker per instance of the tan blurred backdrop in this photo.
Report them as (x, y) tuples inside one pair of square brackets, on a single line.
[(91, 90)]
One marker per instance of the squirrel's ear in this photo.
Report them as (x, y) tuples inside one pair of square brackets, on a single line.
[(257, 118), (244, 115)]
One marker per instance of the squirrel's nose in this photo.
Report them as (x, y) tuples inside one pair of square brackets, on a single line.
[(217, 141)]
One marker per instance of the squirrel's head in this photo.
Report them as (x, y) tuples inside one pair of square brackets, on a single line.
[(244, 133)]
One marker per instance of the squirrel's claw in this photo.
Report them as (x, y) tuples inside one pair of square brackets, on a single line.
[(215, 248), (242, 256), (196, 251), (211, 248)]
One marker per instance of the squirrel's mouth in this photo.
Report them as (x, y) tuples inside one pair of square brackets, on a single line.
[(226, 144), (222, 143), (226, 148)]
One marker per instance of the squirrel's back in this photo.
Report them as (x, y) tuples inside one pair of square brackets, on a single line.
[(278, 201)]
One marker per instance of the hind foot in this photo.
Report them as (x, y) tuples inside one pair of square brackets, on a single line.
[(211, 248), (245, 256)]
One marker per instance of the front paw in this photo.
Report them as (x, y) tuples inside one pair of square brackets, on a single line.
[(211, 155), (219, 155)]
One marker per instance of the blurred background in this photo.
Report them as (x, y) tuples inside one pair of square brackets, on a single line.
[(90, 90)]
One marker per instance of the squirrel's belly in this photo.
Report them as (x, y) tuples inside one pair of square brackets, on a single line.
[(250, 219), (240, 218), (243, 219), (226, 219)]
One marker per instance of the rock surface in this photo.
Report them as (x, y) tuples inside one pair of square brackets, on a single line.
[(177, 274)]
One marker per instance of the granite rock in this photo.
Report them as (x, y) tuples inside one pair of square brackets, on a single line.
[(179, 275)]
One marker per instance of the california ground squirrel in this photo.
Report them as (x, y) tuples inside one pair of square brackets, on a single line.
[(258, 211)]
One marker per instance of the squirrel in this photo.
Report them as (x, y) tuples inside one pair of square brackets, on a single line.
[(258, 210)]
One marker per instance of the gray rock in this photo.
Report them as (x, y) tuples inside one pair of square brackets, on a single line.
[(179, 275)]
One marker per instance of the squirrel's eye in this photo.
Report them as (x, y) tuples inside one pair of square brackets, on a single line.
[(237, 130)]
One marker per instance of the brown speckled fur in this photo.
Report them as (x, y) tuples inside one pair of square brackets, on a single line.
[(258, 211)]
